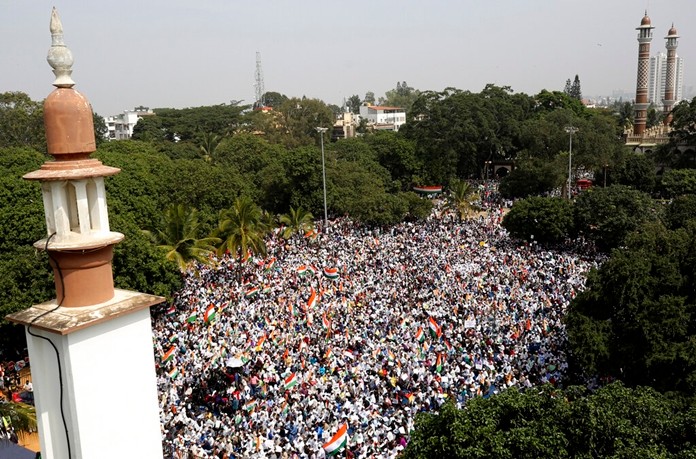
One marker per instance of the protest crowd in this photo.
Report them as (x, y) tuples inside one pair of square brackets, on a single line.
[(359, 328)]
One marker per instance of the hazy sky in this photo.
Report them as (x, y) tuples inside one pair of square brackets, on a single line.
[(178, 53)]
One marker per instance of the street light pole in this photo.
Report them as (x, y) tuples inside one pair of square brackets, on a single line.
[(570, 130), (321, 131)]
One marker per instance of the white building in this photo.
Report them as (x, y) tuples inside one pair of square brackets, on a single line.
[(121, 126), (658, 75), (383, 118)]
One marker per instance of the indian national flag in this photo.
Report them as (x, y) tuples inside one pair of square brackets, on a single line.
[(329, 354), (302, 270), (250, 405), (291, 381), (390, 355), (174, 373), (312, 299), (420, 336), (449, 345), (325, 321), (192, 318), (259, 344), (251, 292), (438, 363), (292, 310), (270, 263), (311, 270), (337, 442), (435, 329), (331, 273), (171, 311), (169, 355), (210, 314), (266, 289)]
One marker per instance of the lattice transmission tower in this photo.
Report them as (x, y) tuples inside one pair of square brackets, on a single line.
[(258, 86)]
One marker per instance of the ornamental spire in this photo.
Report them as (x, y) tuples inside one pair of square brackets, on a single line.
[(59, 56)]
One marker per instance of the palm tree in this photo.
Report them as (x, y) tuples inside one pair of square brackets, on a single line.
[(178, 236), (22, 417), (461, 197), (241, 229), (208, 146), (297, 221)]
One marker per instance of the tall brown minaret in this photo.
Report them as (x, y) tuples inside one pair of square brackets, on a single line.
[(671, 79), (641, 105)]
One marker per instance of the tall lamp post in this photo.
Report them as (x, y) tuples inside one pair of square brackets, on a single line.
[(570, 130), (321, 131)]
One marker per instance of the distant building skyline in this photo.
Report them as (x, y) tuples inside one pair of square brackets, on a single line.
[(658, 79)]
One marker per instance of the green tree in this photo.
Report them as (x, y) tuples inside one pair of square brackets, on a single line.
[(22, 417), (296, 120), (607, 215), (21, 121), (209, 143), (369, 98), (532, 177), (402, 96), (575, 91), (636, 171), (240, 229), (101, 131), (635, 319), (680, 210), (461, 199), (150, 129), (678, 182), (354, 104), (297, 221), (545, 220), (178, 236), (274, 99), (613, 422)]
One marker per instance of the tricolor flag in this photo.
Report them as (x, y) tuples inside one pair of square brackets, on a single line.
[(284, 409), (291, 309), (174, 373), (390, 355), (171, 311), (312, 299), (435, 329), (169, 355), (210, 314), (311, 270), (251, 292), (337, 442), (192, 318), (329, 354), (291, 381), (410, 397), (250, 405), (270, 264), (266, 289), (331, 273), (438, 363), (259, 344), (449, 346), (310, 234), (420, 336), (326, 323), (302, 270)]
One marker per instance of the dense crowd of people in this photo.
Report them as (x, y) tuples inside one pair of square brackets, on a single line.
[(270, 357)]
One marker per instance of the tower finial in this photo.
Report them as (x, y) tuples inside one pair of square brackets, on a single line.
[(59, 56)]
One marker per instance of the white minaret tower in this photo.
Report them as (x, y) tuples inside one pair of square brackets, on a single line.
[(671, 77), (91, 350)]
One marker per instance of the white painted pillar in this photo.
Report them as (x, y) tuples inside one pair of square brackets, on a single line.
[(109, 383)]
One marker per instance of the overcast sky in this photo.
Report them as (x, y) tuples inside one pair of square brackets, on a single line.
[(174, 53)]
